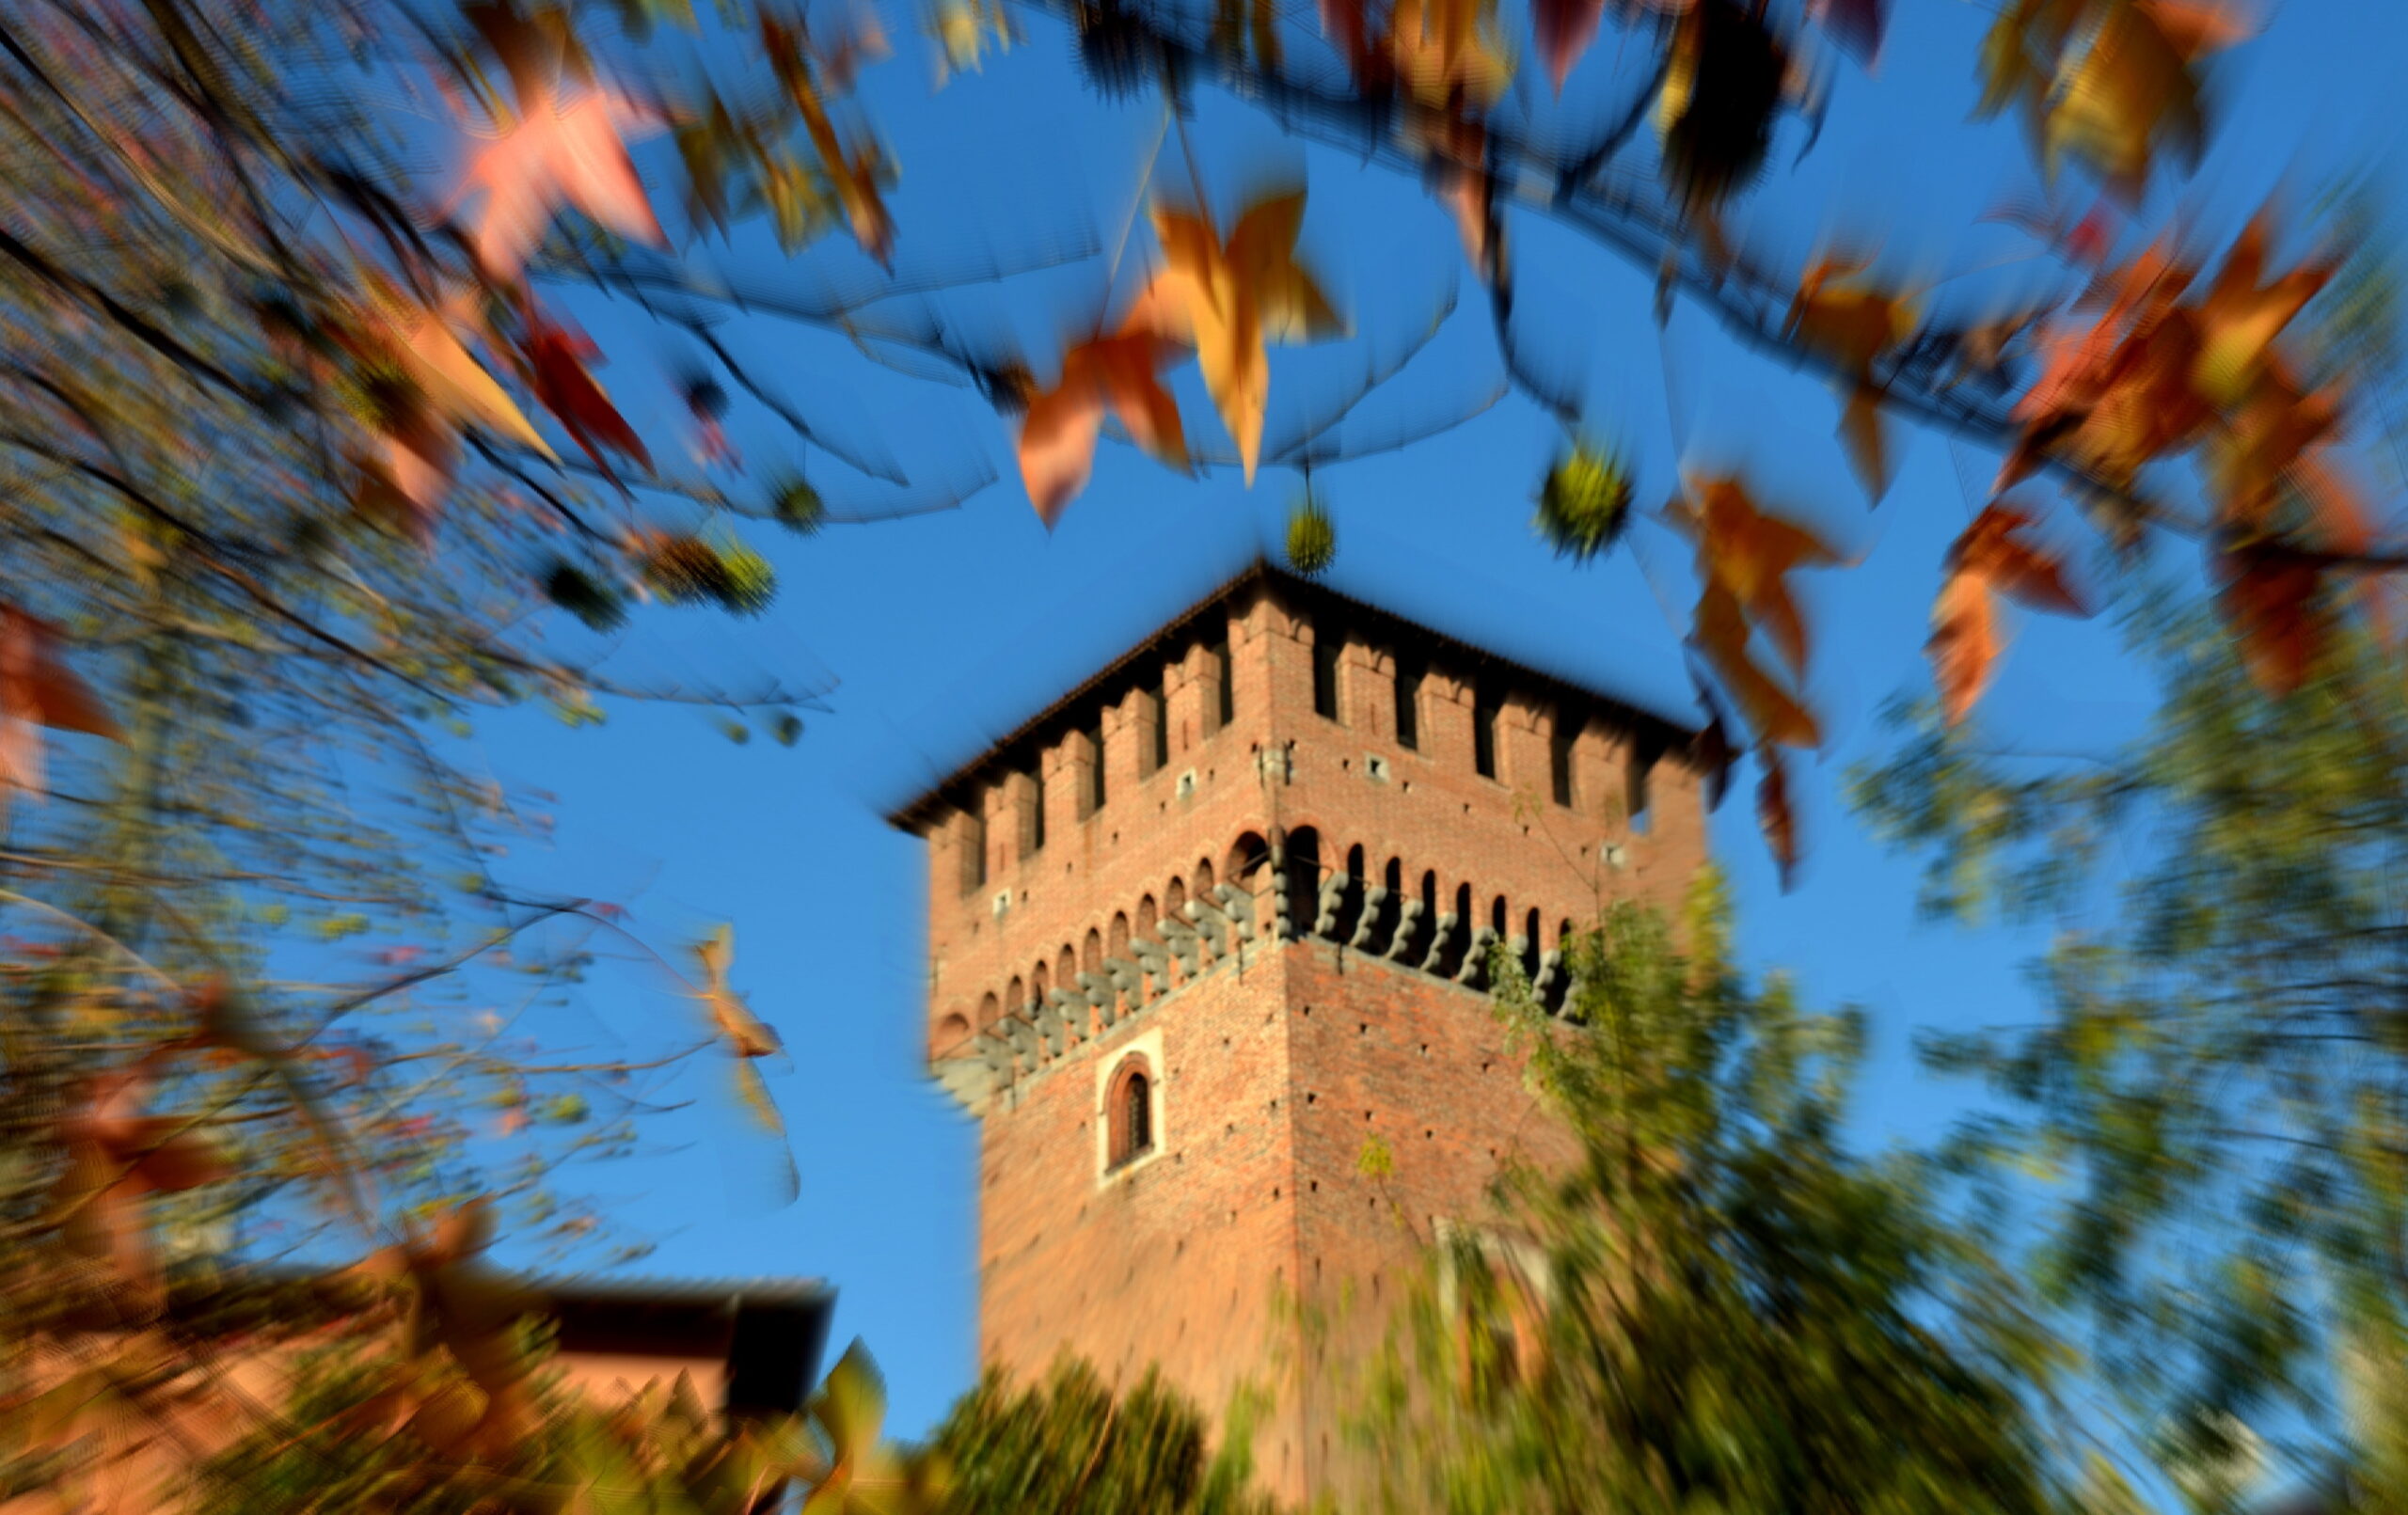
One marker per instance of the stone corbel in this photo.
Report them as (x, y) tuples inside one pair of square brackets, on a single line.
[(1476, 955), (1239, 906), (1211, 925), (1183, 942), (1154, 960), (1332, 899), (1103, 996), (1375, 903), (1439, 940), (1407, 917)]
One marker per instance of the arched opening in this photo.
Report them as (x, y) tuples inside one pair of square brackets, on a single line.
[(1091, 956), (1017, 995), (1458, 940), (1530, 943), (1204, 878), (952, 1032), (1303, 878), (1349, 907), (1066, 969), (1116, 944), (1563, 934), (1245, 858), (1038, 987), (1129, 1113), (1148, 914), (1175, 901), (989, 1011), (1498, 912)]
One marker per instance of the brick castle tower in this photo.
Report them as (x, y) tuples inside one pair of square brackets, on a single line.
[(1219, 917)]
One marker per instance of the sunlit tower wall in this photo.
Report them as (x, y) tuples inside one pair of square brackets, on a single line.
[(1217, 921)]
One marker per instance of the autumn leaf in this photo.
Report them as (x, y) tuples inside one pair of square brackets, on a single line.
[(1990, 550), (744, 1033), (1229, 300), (533, 46), (1449, 48), (2133, 89), (1855, 327), (1564, 29), (856, 175), (1724, 78), (569, 151), (1771, 712), (555, 359), (36, 690), (461, 391), (1751, 554), (2241, 315), (2270, 594), (1964, 642), (1057, 436), (1775, 817), (116, 1159), (961, 28), (1856, 25)]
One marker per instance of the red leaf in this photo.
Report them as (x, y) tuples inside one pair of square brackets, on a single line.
[(555, 360), (2270, 595), (1565, 28)]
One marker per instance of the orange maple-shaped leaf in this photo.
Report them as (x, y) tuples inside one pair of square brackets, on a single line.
[(2242, 314), (569, 151), (1855, 327), (1058, 437), (1448, 49), (1752, 554), (1771, 712), (36, 690), (116, 1159), (2134, 89), (1991, 550), (1964, 642), (1229, 300)]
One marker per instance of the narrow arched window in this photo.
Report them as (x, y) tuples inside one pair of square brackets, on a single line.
[(1129, 1113), (1138, 1120)]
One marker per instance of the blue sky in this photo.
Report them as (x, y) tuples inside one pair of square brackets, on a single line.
[(942, 629)]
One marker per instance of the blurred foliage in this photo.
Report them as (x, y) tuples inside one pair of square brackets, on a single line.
[(2215, 1106), (1713, 1306), (1071, 1442)]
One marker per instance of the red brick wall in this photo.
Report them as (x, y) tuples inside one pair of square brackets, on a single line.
[(1275, 1070)]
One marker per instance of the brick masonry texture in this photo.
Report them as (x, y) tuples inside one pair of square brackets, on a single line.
[(1279, 1063)]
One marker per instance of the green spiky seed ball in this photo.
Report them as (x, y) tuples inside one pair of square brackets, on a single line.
[(584, 596), (798, 508), (1312, 538), (1585, 502), (682, 570)]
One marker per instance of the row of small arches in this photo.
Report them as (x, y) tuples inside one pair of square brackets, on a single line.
[(1379, 916)]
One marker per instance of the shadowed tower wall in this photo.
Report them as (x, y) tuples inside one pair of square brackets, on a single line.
[(1218, 920)]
